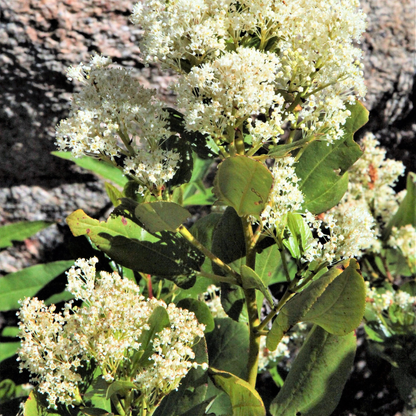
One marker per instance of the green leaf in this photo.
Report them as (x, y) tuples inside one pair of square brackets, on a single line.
[(190, 397), (27, 282), (113, 193), (95, 396), (228, 346), (165, 254), (99, 167), (161, 216), (203, 230), (244, 184), (199, 142), (229, 245), (200, 198), (118, 386), (19, 231), (406, 214), (300, 235), (201, 311), (59, 297), (245, 400), (336, 302), (323, 167), (201, 167), (10, 331), (315, 382), (182, 147), (270, 268), (158, 320), (8, 349), (33, 407), (251, 280), (95, 411)]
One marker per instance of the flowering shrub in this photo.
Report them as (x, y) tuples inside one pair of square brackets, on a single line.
[(271, 90)]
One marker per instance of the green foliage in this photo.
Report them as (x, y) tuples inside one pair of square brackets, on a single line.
[(19, 231), (244, 184), (99, 167), (227, 346), (406, 214), (322, 167), (201, 311), (191, 397), (161, 216), (335, 301), (317, 376), (251, 280), (162, 254), (245, 400), (27, 282), (113, 193)]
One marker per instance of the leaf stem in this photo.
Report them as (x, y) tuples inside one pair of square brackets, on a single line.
[(236, 279), (251, 303)]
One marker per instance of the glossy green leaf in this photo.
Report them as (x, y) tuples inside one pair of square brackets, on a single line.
[(336, 302), (244, 184), (317, 377), (228, 346), (406, 214), (165, 254), (19, 231), (251, 280), (113, 193), (161, 216), (245, 400), (201, 311), (99, 167), (27, 282), (323, 167), (190, 398), (8, 349)]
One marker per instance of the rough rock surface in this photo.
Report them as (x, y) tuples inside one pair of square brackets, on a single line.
[(39, 39)]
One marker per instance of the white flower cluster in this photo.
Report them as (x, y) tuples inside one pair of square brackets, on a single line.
[(382, 299), (344, 232), (114, 118), (373, 177), (107, 332), (225, 92), (305, 47), (404, 238), (285, 195)]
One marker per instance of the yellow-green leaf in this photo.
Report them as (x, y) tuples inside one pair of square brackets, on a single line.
[(244, 184)]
